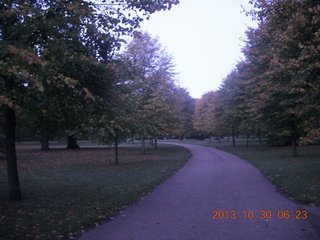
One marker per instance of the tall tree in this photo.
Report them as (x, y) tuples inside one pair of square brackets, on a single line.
[(47, 42), (185, 110), (204, 120), (290, 74), (151, 80)]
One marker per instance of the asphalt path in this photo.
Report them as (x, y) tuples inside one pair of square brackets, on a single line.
[(182, 208)]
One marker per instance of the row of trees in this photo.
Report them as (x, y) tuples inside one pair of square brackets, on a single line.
[(275, 89), (61, 71)]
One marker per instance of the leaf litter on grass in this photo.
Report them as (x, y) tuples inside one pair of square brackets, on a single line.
[(66, 192)]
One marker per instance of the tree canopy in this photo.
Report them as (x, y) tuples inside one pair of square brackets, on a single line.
[(275, 88), (59, 69)]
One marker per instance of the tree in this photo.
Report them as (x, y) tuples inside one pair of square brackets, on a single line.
[(275, 88), (232, 96), (290, 74), (250, 123), (204, 120), (42, 43), (185, 110), (18, 78), (150, 78)]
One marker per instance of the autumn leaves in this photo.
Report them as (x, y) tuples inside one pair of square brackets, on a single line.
[(275, 88)]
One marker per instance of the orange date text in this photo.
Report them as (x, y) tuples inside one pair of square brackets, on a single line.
[(263, 214)]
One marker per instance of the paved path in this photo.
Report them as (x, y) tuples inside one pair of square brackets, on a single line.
[(181, 208)]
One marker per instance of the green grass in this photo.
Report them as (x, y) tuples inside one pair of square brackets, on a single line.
[(66, 192), (298, 177)]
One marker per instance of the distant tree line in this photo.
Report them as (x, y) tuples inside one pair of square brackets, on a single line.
[(274, 91)]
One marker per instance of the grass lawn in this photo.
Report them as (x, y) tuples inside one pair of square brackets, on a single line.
[(298, 177), (68, 191)]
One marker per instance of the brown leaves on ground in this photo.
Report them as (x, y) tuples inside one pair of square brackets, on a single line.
[(31, 158), (66, 192)]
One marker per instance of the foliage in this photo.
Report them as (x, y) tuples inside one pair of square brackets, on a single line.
[(185, 110), (57, 63), (69, 39), (204, 120), (289, 32), (154, 100), (275, 89)]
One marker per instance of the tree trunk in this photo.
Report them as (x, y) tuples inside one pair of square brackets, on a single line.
[(72, 143), (44, 140), (209, 139), (247, 142), (260, 138), (181, 138), (116, 150), (294, 146), (233, 136), (155, 144), (143, 146), (10, 152), (293, 140)]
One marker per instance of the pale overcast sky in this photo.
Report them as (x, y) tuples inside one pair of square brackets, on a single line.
[(204, 38)]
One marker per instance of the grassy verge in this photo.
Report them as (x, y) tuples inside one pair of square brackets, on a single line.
[(299, 177), (66, 192)]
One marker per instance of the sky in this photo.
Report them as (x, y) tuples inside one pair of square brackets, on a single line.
[(205, 39)]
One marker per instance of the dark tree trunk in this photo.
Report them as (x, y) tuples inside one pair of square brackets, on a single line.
[(294, 146), (155, 144), (293, 140), (260, 138), (10, 152), (10, 135), (181, 137), (143, 146), (116, 150), (72, 143), (233, 136), (247, 142), (44, 141)]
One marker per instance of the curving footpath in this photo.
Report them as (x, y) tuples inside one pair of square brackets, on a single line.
[(182, 207)]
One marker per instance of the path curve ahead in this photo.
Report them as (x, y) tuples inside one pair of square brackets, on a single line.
[(181, 208)]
